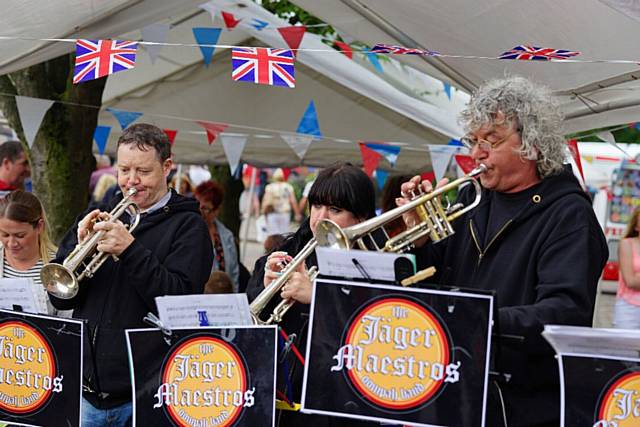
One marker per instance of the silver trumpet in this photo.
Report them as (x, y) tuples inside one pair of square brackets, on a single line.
[(258, 305), (62, 280), (435, 221)]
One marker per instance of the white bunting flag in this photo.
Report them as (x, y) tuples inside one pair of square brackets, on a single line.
[(209, 7), (608, 137), (31, 112), (233, 145), (154, 33), (440, 158), (298, 143)]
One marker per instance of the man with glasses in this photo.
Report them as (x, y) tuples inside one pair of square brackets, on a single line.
[(534, 239)]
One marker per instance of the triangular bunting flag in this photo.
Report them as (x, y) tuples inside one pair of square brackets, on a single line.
[(381, 177), (370, 159), (373, 58), (125, 118), (285, 173), (259, 24), (608, 137), (573, 148), (233, 146), (31, 112), (344, 48), (156, 33), (213, 129), (440, 158), (389, 152), (466, 163), (230, 21), (207, 36), (171, 134), (455, 143), (209, 7), (447, 89), (298, 143), (309, 122), (293, 36), (100, 136)]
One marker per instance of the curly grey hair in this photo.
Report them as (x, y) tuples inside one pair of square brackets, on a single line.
[(531, 108)]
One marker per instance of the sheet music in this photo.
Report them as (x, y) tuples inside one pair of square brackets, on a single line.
[(18, 292), (593, 341), (204, 310), (339, 263)]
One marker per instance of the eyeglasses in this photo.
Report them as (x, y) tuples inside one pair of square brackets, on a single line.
[(483, 144)]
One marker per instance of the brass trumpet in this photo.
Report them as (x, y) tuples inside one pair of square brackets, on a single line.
[(435, 221), (258, 305), (61, 280)]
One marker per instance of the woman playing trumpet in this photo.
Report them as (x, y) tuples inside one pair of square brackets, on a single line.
[(343, 194)]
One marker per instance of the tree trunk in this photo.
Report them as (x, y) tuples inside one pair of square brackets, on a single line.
[(230, 212), (61, 156)]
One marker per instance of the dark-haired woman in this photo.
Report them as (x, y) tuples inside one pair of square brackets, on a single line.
[(344, 194)]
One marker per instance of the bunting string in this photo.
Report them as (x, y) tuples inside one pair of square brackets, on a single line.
[(363, 51)]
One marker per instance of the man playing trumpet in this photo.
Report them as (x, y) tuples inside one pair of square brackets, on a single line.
[(169, 253), (533, 238)]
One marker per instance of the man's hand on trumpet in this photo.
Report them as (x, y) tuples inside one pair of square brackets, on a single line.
[(85, 226), (409, 190), (116, 237)]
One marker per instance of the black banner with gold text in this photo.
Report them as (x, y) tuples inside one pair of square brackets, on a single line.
[(203, 377), (40, 369), (394, 354)]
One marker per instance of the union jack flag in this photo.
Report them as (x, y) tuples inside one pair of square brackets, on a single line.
[(263, 66), (533, 53), (99, 58), (401, 50)]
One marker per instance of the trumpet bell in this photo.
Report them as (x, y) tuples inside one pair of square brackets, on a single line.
[(59, 281), (330, 234)]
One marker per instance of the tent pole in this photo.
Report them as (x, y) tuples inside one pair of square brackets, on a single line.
[(249, 204)]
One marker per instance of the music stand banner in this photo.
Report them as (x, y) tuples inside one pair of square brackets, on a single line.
[(203, 376), (393, 354), (599, 375), (40, 369)]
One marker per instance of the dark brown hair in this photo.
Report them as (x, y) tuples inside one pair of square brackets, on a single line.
[(210, 191), (145, 136)]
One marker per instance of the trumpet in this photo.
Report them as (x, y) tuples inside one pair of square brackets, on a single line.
[(62, 280), (435, 221), (258, 305)]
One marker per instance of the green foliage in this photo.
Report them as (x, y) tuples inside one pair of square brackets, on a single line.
[(295, 15)]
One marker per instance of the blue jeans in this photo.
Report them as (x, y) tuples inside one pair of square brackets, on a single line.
[(120, 416)]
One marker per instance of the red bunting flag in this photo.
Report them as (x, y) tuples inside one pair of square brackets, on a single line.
[(229, 20), (344, 48), (573, 147), (370, 159), (466, 163), (428, 176), (213, 129), (293, 36), (286, 172), (171, 134)]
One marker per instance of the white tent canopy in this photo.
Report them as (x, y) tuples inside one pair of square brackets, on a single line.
[(353, 103), (592, 94)]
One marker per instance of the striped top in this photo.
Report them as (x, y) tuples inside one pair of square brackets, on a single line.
[(33, 273)]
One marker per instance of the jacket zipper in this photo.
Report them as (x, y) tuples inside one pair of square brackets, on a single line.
[(475, 239)]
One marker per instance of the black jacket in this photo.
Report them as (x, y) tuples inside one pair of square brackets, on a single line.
[(171, 255), (289, 381), (544, 263)]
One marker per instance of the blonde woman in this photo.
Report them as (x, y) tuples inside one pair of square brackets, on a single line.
[(25, 244)]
